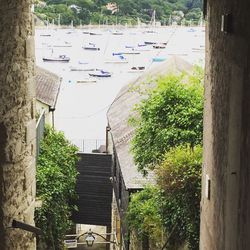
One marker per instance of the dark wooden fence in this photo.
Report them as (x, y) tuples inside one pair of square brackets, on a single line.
[(94, 189)]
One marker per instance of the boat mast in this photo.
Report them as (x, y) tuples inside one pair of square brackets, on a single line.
[(152, 21), (59, 20), (170, 20)]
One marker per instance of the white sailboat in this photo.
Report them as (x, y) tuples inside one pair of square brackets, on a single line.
[(47, 33), (152, 24)]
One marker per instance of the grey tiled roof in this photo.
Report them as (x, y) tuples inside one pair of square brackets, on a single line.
[(47, 86), (119, 113)]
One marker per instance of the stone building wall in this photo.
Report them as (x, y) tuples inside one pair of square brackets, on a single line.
[(17, 123), (225, 206)]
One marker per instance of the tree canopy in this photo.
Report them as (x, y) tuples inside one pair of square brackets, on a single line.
[(170, 116), (128, 11)]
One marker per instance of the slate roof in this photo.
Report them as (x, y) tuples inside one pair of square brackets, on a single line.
[(119, 113), (47, 86)]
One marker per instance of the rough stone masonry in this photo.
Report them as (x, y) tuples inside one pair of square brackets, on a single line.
[(17, 123)]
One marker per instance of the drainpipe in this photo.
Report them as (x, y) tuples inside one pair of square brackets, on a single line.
[(107, 137)]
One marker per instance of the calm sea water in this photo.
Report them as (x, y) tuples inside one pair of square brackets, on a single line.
[(81, 107)]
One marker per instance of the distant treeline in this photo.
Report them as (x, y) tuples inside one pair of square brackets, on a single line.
[(119, 11)]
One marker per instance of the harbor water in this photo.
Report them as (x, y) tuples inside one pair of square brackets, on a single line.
[(83, 102)]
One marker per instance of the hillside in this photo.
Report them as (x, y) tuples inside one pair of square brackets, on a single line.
[(118, 11)]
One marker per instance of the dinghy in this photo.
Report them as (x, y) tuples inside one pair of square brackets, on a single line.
[(87, 80), (100, 73), (158, 59), (136, 69), (91, 46), (119, 59)]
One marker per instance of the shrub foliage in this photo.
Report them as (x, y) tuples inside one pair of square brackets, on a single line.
[(168, 137), (170, 116), (179, 175), (56, 178)]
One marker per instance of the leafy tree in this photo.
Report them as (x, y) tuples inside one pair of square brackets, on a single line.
[(128, 9), (56, 178), (171, 206), (144, 215), (171, 115), (179, 175)]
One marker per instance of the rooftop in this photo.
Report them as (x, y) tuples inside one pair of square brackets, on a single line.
[(47, 86)]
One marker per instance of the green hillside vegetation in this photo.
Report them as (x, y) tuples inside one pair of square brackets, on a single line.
[(128, 11)]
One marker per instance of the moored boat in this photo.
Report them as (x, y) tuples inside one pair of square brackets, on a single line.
[(136, 69), (117, 32), (118, 59), (158, 59), (127, 53), (95, 34), (61, 58), (87, 80), (159, 46), (91, 46), (149, 43), (100, 73)]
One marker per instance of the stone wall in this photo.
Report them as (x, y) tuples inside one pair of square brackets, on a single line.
[(225, 207), (17, 124)]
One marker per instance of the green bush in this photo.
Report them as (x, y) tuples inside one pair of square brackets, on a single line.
[(171, 115), (144, 214), (179, 175), (56, 179), (172, 206)]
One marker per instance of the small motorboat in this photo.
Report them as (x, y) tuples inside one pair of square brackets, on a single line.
[(119, 59), (150, 31), (117, 53), (150, 43), (87, 80), (158, 59), (82, 62), (63, 45), (132, 52), (159, 46), (82, 69), (61, 58), (77, 69), (117, 32), (136, 69), (95, 34), (129, 46), (142, 44), (91, 46), (100, 73)]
